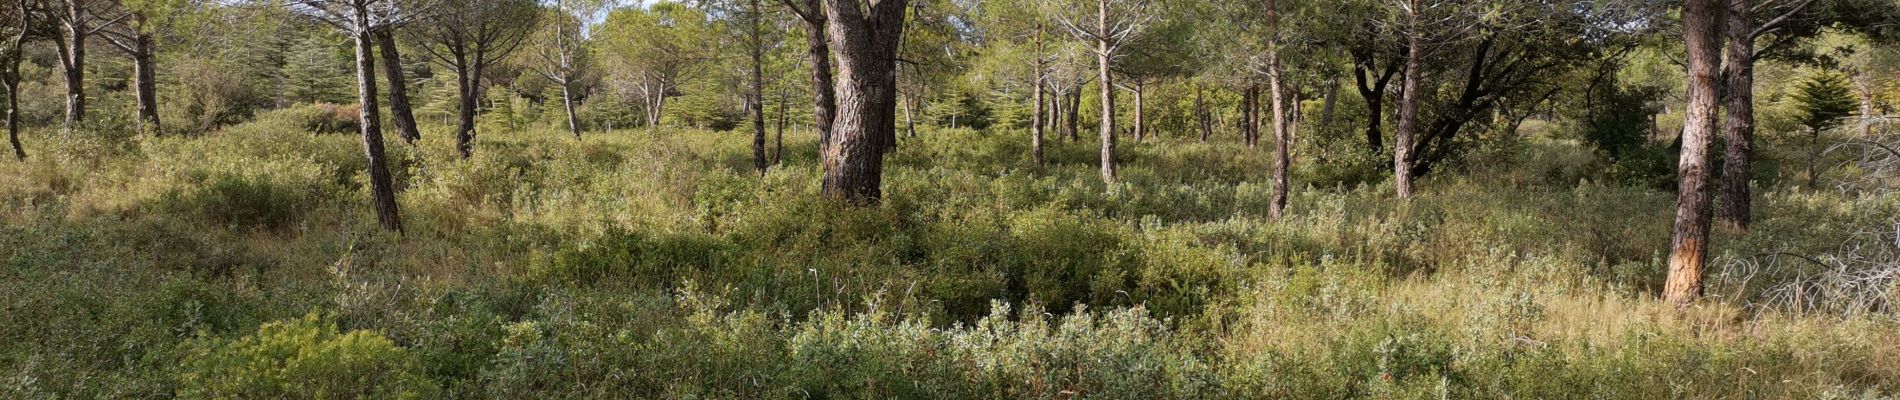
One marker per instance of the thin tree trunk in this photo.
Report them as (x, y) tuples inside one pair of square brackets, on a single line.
[(910, 117), (12, 81), (73, 64), (1408, 109), (382, 187), (1276, 95), (778, 143), (1141, 103), (1738, 133), (145, 80), (1075, 115), (1702, 27), (1814, 159), (757, 95), (468, 78), (1201, 115), (1036, 116), (1103, 57), (1326, 110), (400, 112)]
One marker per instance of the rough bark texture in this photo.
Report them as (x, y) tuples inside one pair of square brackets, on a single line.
[(73, 66), (1408, 112), (824, 97), (381, 186), (1738, 132), (400, 112), (1702, 27), (1281, 136), (145, 80), (866, 47), (468, 88)]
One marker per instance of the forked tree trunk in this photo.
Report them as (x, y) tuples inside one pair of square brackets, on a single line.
[(1408, 109), (1738, 132), (400, 112), (1702, 27), (866, 47), (381, 186)]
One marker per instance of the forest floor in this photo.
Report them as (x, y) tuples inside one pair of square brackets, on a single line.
[(247, 264)]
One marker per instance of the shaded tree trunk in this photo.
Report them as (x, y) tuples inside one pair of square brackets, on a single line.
[(1331, 99), (1702, 27), (467, 79), (756, 97), (400, 111), (1281, 137), (778, 143), (1814, 159), (866, 89), (11, 78), (1738, 132), (1141, 104), (1201, 115), (1075, 115), (1408, 110), (382, 187), (1372, 90)]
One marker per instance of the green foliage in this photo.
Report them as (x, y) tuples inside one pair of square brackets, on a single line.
[(304, 359), (1824, 100)]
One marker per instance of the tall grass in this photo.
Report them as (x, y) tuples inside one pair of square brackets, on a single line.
[(636, 264)]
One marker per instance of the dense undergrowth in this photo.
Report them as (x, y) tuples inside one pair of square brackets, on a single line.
[(245, 264)]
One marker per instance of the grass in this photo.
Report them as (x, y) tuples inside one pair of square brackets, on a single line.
[(659, 265)]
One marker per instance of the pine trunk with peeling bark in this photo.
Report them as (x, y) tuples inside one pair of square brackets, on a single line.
[(1738, 132), (382, 186), (866, 89), (400, 112), (1702, 38), (1408, 111)]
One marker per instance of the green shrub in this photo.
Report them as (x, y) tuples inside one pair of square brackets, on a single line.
[(304, 359)]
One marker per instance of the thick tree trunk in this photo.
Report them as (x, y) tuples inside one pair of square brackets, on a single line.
[(382, 187), (1408, 111), (145, 82), (1702, 27), (866, 86), (1103, 58), (1738, 132), (400, 112)]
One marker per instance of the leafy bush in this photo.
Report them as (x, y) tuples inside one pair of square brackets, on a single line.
[(305, 359)]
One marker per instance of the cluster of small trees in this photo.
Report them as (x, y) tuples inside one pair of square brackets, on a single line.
[(1445, 75)]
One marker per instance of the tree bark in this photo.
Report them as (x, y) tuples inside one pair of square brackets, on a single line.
[(399, 110), (818, 50), (11, 78), (778, 143), (1814, 159), (1201, 115), (1103, 57), (1277, 96), (1408, 109), (757, 95), (1372, 90), (382, 187), (866, 93), (1702, 27), (1037, 121), (1738, 132), (1141, 103), (1075, 115), (469, 80), (145, 80), (73, 65)]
